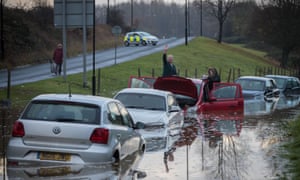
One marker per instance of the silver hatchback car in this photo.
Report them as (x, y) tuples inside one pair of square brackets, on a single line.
[(73, 129)]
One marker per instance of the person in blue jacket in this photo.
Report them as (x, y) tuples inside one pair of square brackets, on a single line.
[(169, 69)]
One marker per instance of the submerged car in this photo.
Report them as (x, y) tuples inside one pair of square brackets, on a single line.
[(73, 129), (154, 107), (255, 87), (287, 85), (140, 38), (194, 95)]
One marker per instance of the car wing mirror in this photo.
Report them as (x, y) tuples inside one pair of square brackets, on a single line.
[(174, 109), (140, 125)]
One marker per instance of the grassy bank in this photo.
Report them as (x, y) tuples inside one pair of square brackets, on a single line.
[(293, 148), (200, 54)]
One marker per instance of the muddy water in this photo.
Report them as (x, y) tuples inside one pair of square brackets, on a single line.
[(248, 149), (245, 148)]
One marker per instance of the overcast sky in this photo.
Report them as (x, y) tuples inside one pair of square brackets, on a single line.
[(29, 3)]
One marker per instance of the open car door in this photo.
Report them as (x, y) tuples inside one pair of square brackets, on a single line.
[(141, 82)]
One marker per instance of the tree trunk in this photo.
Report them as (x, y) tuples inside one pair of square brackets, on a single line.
[(284, 57), (220, 32)]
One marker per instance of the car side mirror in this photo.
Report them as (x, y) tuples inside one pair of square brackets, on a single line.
[(174, 109), (140, 125)]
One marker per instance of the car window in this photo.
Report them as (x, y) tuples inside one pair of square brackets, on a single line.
[(251, 84), (62, 111), (224, 92), (114, 115), (127, 120), (142, 101)]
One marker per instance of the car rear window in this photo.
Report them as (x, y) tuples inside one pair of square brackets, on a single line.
[(62, 111)]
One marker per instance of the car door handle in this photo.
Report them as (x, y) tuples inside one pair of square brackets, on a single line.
[(119, 136)]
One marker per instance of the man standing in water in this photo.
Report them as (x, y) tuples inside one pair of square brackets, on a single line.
[(169, 68)]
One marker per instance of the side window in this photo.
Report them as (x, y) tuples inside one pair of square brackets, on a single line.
[(114, 115), (127, 120), (225, 92)]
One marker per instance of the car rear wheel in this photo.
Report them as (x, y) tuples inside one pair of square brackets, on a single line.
[(144, 43), (126, 43), (154, 44)]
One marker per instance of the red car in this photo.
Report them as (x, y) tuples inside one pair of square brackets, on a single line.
[(194, 95)]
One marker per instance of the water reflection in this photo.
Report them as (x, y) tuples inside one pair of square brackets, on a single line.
[(126, 170), (255, 107)]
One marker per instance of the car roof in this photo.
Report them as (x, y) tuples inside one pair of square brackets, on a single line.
[(97, 100), (145, 91), (255, 78), (279, 76)]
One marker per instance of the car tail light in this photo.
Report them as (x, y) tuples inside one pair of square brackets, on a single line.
[(18, 129), (100, 135)]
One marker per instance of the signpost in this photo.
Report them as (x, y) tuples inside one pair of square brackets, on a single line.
[(74, 14), (116, 30)]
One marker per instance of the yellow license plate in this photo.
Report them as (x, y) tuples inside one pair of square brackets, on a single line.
[(54, 156)]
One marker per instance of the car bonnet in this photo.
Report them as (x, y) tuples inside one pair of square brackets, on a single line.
[(177, 85)]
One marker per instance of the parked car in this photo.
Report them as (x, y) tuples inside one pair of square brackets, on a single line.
[(258, 87), (287, 85), (74, 129), (194, 95), (154, 107), (140, 37)]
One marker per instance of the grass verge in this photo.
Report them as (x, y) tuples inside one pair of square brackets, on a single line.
[(200, 54)]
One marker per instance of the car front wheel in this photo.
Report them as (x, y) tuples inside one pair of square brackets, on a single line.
[(144, 43)]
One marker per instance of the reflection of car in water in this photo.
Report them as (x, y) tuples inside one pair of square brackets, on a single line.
[(285, 102), (254, 107), (127, 169)]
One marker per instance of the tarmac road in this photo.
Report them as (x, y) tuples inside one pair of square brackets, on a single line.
[(33, 73)]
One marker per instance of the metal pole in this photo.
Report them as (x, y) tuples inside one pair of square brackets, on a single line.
[(94, 29), (201, 17), (131, 24), (186, 23), (84, 41), (64, 40)]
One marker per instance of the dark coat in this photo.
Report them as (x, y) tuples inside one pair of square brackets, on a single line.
[(169, 69)]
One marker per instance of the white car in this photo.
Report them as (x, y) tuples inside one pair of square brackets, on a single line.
[(153, 108), (74, 129)]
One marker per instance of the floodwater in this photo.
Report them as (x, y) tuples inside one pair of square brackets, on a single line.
[(237, 148)]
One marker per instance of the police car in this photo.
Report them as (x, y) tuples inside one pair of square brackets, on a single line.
[(140, 37)]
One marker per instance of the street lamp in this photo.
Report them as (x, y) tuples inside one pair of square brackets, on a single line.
[(131, 25), (186, 22)]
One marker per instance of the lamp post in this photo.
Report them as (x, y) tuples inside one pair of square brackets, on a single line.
[(131, 18), (186, 22)]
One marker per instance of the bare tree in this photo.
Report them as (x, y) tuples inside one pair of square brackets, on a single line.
[(278, 23), (220, 9)]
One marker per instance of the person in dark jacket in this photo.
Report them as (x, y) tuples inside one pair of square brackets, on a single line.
[(213, 76), (58, 58), (169, 69)]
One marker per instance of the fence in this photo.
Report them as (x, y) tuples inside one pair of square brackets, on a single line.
[(231, 74)]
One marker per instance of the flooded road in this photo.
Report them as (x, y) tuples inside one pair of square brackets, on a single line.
[(246, 147)]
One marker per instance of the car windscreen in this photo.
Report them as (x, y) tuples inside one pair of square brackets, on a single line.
[(142, 101), (62, 111), (251, 84)]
